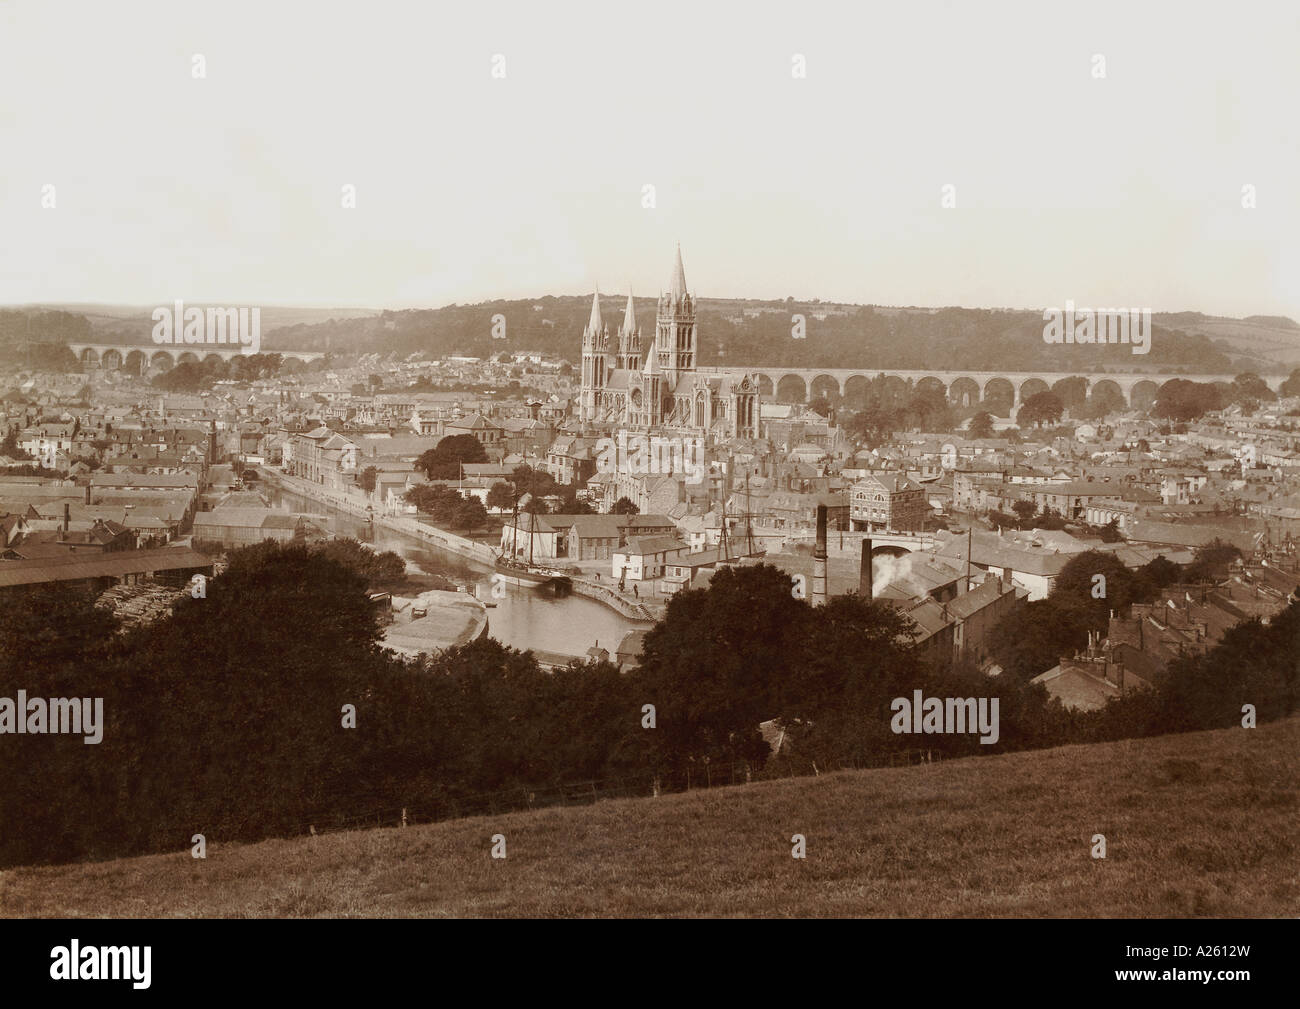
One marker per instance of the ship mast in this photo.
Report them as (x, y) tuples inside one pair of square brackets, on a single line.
[(514, 528), (749, 514)]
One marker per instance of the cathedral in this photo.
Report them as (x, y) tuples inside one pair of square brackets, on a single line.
[(662, 390)]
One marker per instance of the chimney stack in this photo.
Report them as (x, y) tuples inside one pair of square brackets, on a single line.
[(819, 560), (864, 573)]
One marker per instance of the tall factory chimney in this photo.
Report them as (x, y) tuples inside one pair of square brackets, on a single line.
[(864, 573), (819, 560)]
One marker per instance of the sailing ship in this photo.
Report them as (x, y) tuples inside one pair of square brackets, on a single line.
[(514, 569)]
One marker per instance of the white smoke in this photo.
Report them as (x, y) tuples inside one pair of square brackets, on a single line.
[(887, 569)]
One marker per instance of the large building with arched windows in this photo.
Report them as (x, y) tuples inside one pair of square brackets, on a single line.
[(661, 389)]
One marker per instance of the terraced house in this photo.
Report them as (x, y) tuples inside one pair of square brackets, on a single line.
[(322, 456)]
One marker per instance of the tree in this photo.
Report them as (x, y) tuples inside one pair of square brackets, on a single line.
[(623, 506), (443, 462), (376, 568), (981, 425), (1093, 584), (1051, 519), (1250, 388), (502, 496), (437, 501), (715, 665), (1104, 399), (1211, 562), (821, 405), (1041, 408), (873, 425), (369, 476), (1291, 387), (928, 410), (536, 482), (1024, 510), (856, 656), (10, 446), (470, 514), (1179, 399), (1072, 391), (1159, 573), (185, 377), (1033, 639)]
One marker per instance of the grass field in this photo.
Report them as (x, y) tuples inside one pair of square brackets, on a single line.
[(1203, 824)]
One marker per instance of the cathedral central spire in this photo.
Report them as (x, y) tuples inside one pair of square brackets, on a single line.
[(677, 284)]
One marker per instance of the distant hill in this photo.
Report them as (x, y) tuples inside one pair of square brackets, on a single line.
[(751, 332), (1201, 824), (1276, 321), (133, 323), (1260, 342)]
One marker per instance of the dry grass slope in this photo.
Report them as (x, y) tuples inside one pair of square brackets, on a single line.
[(1199, 824)]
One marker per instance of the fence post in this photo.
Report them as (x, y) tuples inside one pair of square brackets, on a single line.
[(403, 816)]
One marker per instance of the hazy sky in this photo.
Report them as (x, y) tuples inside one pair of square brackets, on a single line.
[(1125, 190)]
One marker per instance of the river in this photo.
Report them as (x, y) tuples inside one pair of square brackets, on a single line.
[(525, 618)]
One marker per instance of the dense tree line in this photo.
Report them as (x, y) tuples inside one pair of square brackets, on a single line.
[(38, 340), (191, 376), (228, 718), (534, 490), (444, 460), (448, 507)]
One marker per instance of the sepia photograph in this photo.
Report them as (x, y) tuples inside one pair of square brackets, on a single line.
[(687, 461)]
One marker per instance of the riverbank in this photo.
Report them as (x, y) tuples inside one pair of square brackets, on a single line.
[(359, 505), (648, 611), (451, 618)]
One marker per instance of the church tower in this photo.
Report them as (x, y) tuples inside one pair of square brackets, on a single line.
[(652, 379), (629, 338), (595, 344), (675, 326)]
